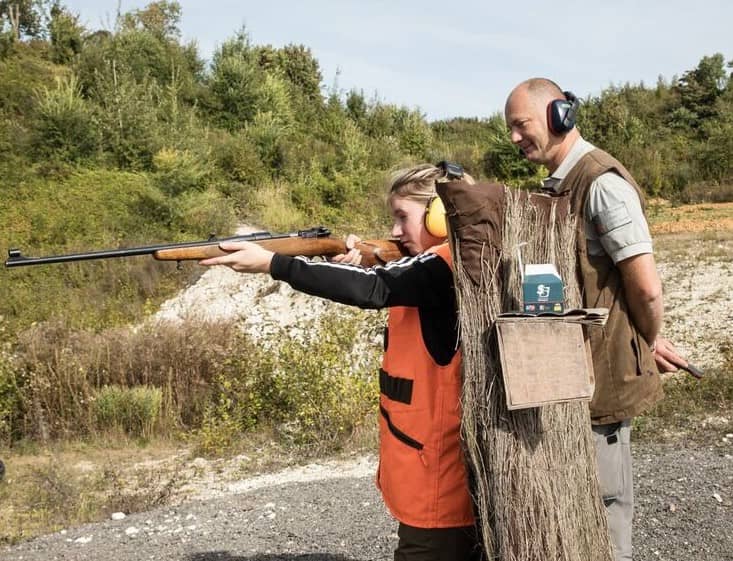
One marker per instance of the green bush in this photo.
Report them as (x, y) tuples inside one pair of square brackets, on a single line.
[(321, 399), (65, 127), (178, 171), (234, 83), (127, 114), (413, 132), (266, 131), (133, 411), (206, 212), (237, 157), (315, 390)]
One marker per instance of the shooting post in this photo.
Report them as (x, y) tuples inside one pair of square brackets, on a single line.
[(312, 242)]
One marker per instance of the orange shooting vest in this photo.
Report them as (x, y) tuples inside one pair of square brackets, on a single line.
[(422, 473)]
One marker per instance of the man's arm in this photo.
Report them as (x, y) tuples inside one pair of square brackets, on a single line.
[(643, 289)]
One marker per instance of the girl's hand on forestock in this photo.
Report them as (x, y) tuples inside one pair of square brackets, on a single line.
[(353, 255), (244, 257)]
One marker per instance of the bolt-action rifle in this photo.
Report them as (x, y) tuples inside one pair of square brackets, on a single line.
[(311, 243)]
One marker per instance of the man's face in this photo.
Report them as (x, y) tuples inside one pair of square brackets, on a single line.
[(527, 121)]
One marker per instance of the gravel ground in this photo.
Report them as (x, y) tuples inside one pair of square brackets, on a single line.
[(684, 512)]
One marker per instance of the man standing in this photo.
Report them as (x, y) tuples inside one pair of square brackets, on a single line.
[(617, 271)]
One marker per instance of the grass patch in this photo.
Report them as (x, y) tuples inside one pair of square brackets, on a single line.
[(68, 484), (691, 408)]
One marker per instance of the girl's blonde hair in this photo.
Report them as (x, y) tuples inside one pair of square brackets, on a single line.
[(418, 182)]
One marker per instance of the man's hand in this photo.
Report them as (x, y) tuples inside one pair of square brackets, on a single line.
[(245, 257), (353, 256), (669, 360), (666, 356)]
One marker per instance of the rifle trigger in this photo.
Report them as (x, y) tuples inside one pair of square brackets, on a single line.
[(212, 236), (179, 266)]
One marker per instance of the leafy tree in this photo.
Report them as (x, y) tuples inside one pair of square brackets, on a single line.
[(356, 106), (25, 16), (412, 131), (127, 115), (146, 43), (503, 160), (66, 35), (700, 88), (297, 65), (162, 19), (235, 82)]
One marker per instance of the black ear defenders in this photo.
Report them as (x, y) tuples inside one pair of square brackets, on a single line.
[(434, 218), (451, 170), (561, 113)]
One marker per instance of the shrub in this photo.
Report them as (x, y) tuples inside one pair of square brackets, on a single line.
[(413, 132), (65, 126), (266, 131), (133, 410), (68, 368), (707, 192), (236, 155), (235, 82), (314, 389), (321, 399), (207, 212), (178, 171), (128, 115)]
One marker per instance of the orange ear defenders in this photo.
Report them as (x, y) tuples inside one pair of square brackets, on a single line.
[(561, 113), (434, 219)]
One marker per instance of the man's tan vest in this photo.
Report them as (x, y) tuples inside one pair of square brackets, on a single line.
[(627, 379)]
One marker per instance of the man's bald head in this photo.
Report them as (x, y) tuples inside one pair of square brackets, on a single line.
[(539, 91)]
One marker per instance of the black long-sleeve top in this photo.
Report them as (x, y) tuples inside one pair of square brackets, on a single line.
[(424, 281)]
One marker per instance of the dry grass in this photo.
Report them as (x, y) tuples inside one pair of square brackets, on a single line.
[(67, 484), (666, 218)]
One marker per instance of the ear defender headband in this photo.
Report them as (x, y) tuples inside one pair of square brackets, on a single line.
[(561, 113), (434, 219)]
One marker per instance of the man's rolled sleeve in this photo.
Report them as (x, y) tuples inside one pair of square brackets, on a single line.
[(617, 222)]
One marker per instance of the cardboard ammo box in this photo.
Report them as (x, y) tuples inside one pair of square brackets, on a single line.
[(542, 289), (546, 360)]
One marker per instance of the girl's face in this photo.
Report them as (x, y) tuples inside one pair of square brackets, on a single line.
[(409, 225)]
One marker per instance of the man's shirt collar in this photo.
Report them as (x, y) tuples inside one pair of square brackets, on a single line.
[(579, 149)]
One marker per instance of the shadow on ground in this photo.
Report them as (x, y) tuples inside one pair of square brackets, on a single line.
[(224, 556)]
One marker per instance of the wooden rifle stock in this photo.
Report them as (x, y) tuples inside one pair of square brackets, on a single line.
[(313, 242), (374, 252)]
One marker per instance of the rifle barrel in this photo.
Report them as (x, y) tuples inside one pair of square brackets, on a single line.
[(17, 259)]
